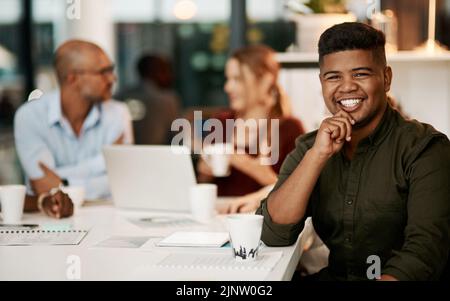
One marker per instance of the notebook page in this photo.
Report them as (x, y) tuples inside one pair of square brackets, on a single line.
[(264, 262)]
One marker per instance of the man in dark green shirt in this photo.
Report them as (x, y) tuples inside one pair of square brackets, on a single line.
[(373, 182)]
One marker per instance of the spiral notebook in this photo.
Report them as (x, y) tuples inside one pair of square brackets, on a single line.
[(41, 237)]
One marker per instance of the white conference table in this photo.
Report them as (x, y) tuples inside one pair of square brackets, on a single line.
[(104, 221)]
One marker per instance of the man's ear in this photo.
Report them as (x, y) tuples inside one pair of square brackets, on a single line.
[(387, 78)]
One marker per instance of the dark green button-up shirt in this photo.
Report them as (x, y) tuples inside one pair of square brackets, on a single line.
[(391, 200)]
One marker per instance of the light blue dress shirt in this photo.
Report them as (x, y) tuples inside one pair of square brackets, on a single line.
[(43, 134)]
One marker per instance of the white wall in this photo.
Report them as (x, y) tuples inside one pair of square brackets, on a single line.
[(423, 90)]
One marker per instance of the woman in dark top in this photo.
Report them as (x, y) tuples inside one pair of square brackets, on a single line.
[(251, 84)]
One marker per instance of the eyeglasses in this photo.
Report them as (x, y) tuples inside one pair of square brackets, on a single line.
[(103, 72)]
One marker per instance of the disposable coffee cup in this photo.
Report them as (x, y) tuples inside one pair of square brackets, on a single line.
[(245, 235), (12, 199), (217, 156), (202, 198), (76, 194)]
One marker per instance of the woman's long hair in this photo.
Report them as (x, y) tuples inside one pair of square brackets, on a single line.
[(260, 60)]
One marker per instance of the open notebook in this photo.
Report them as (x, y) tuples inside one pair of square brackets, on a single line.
[(41, 237)]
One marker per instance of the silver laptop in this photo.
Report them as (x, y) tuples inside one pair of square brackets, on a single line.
[(150, 177)]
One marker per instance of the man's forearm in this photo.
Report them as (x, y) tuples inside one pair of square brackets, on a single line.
[(288, 204), (43, 185)]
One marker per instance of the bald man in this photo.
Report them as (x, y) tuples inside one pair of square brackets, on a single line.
[(59, 137)]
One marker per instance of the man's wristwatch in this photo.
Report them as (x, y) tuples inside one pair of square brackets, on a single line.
[(40, 201)]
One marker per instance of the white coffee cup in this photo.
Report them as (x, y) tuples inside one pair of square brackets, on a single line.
[(202, 198), (12, 198), (76, 194), (217, 156), (245, 235)]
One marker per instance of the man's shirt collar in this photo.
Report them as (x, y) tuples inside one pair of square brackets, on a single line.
[(55, 114)]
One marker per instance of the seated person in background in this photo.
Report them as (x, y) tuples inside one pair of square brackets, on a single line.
[(376, 185), (59, 137), (154, 99), (251, 85)]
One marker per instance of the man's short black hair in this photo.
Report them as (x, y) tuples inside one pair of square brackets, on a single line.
[(353, 36)]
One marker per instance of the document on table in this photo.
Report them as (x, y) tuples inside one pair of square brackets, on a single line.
[(132, 242), (264, 262), (163, 222), (41, 237), (195, 239)]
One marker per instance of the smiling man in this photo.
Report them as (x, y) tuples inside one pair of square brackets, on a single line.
[(375, 184)]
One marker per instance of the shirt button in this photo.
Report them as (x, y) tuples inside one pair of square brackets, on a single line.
[(349, 202), (348, 239)]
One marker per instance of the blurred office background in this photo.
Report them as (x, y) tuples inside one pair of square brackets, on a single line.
[(196, 35)]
